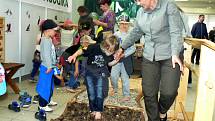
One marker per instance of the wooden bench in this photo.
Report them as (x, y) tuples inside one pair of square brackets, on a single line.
[(10, 70)]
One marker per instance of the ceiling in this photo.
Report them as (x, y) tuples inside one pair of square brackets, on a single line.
[(197, 6)]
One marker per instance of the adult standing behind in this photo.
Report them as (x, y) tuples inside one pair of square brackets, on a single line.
[(108, 19), (162, 64), (86, 18), (212, 35), (199, 31)]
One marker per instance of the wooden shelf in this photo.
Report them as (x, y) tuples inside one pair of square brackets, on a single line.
[(2, 40)]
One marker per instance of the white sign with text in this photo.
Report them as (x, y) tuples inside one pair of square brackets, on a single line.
[(61, 5)]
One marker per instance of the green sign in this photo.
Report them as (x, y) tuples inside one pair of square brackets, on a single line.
[(127, 7)]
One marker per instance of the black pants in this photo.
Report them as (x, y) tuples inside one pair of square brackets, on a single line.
[(196, 53), (159, 76), (190, 77)]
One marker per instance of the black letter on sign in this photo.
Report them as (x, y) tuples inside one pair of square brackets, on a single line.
[(66, 4), (54, 1), (58, 2)]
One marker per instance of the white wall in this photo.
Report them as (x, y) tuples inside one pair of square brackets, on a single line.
[(75, 5), (209, 20), (12, 47), (29, 37), (11, 38), (61, 16)]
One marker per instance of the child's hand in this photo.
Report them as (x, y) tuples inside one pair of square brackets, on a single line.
[(119, 54), (48, 70), (72, 59)]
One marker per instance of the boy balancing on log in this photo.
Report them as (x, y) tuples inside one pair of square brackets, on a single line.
[(99, 56)]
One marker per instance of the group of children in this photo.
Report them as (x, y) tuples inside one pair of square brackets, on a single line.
[(94, 57)]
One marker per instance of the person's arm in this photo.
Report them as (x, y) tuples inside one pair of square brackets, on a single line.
[(134, 35), (100, 23), (73, 57), (59, 77), (206, 32), (47, 54), (76, 72), (210, 35), (129, 51), (38, 39), (175, 31), (111, 21), (175, 28), (193, 31)]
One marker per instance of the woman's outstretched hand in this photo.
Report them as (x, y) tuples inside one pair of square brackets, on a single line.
[(119, 54)]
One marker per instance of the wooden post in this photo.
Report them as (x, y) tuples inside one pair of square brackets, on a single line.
[(2, 37), (205, 101), (182, 91)]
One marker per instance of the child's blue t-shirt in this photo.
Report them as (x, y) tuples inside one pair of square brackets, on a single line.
[(56, 71), (3, 87)]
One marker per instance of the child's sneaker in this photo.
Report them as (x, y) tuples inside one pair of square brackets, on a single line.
[(25, 103), (14, 106), (46, 108), (52, 103), (36, 99), (32, 80), (23, 95), (41, 115)]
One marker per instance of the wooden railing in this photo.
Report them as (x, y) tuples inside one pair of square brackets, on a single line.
[(205, 98)]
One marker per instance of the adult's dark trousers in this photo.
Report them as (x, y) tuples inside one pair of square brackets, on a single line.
[(190, 77), (159, 76), (196, 53)]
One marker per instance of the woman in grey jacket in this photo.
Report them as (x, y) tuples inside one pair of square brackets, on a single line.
[(162, 64)]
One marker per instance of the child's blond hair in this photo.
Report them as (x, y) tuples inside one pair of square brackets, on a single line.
[(110, 40), (88, 39)]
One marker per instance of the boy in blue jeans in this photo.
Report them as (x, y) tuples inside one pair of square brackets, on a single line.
[(125, 67), (99, 56)]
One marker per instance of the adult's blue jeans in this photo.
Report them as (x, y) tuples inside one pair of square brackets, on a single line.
[(117, 71), (36, 65), (73, 82), (95, 92)]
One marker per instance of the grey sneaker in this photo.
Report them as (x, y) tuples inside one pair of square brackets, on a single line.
[(36, 99), (32, 80)]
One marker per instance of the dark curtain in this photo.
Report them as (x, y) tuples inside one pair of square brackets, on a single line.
[(93, 6)]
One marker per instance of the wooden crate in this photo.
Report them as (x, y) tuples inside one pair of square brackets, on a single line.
[(2, 40)]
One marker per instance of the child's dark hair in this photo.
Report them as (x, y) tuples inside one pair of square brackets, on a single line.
[(102, 2), (201, 15), (82, 9)]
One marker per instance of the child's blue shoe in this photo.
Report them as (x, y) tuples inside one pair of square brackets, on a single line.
[(14, 106), (41, 115), (25, 102), (23, 95), (25, 99)]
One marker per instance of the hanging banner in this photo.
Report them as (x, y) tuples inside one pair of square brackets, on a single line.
[(125, 7), (61, 5)]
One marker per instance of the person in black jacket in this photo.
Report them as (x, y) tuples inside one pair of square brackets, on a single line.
[(212, 35), (85, 17), (199, 31)]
